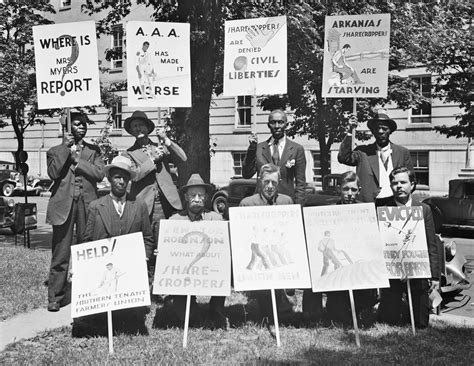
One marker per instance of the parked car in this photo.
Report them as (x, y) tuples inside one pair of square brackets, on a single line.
[(7, 178), (7, 214), (239, 188), (454, 212), (34, 184)]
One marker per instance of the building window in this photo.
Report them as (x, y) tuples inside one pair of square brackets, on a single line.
[(117, 46), (422, 113), (238, 158), (244, 111), (117, 114), (317, 175), (421, 166), (64, 4)]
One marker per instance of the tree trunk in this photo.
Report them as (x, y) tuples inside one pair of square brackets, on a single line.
[(192, 125)]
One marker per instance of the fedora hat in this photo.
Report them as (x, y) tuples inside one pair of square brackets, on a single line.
[(196, 181), (141, 116), (382, 117), (121, 162)]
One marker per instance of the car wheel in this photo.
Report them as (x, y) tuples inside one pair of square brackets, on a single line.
[(7, 189), (219, 204)]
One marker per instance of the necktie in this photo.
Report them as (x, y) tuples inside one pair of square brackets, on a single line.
[(120, 208), (275, 154), (384, 155)]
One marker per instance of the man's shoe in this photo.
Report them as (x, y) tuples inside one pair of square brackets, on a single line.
[(53, 306)]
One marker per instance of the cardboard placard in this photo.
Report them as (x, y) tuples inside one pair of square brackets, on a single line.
[(255, 56), (268, 248), (109, 274), (158, 64), (356, 53), (67, 66)]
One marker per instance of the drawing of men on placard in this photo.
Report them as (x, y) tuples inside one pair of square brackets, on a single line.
[(146, 71), (327, 246), (257, 246)]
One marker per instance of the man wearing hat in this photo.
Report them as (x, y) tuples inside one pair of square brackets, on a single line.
[(113, 215), (153, 182), (75, 167), (195, 193), (375, 161)]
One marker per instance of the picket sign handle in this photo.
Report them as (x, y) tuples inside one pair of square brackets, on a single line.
[(354, 317), (410, 305), (354, 111), (186, 321), (275, 317), (110, 332), (254, 111)]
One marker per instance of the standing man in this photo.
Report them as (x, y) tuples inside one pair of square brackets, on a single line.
[(113, 215), (75, 166), (281, 151), (340, 65), (268, 181), (196, 192), (374, 162), (402, 181), (153, 183)]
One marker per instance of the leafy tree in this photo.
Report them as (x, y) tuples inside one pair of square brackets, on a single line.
[(17, 78)]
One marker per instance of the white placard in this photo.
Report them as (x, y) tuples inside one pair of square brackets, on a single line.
[(255, 56), (158, 64), (67, 67)]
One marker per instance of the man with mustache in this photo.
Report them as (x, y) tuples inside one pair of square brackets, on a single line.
[(281, 151), (75, 166), (402, 183)]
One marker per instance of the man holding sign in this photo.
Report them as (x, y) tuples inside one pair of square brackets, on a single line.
[(76, 167), (402, 183), (110, 216)]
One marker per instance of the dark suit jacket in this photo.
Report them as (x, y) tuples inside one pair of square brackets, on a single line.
[(99, 221), (367, 161), (293, 180), (150, 175), (435, 247), (61, 170)]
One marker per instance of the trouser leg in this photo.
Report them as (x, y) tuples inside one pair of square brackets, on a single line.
[(391, 303), (61, 252), (312, 302), (421, 302)]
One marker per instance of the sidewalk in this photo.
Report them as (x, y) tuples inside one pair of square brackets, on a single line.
[(30, 324)]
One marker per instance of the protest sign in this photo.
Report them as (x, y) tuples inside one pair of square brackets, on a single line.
[(109, 274), (158, 64), (268, 248), (344, 247), (356, 53), (193, 258), (255, 56), (67, 67), (403, 233)]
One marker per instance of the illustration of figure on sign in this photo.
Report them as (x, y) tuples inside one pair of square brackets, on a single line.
[(327, 246), (257, 247), (146, 72), (110, 279), (347, 74)]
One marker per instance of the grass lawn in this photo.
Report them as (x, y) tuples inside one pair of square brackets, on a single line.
[(439, 345), (23, 272)]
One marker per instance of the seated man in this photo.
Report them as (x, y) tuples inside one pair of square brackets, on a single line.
[(268, 181), (195, 194), (113, 215), (402, 182)]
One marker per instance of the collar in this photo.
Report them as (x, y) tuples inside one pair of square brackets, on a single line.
[(271, 141), (385, 148), (271, 202), (408, 204), (118, 199)]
